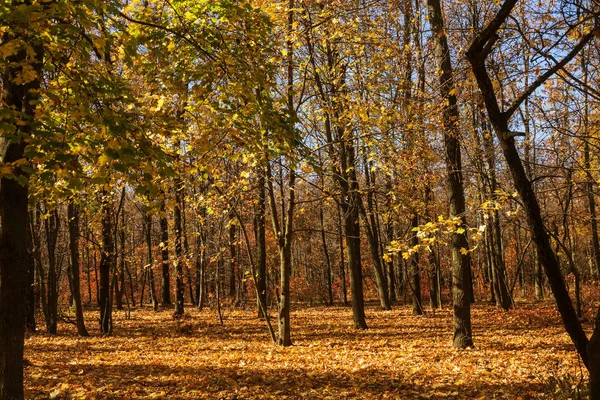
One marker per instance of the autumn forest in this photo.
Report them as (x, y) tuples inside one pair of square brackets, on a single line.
[(239, 199)]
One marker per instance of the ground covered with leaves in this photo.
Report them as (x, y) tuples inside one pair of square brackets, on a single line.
[(523, 353)]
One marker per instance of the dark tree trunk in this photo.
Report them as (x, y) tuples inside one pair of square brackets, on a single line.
[(591, 182), (150, 260), (14, 261), (106, 262), (165, 289), (30, 298), (120, 288), (261, 245), (51, 228), (186, 248), (232, 256), (391, 273), (327, 259), (179, 286), (477, 55), (434, 270), (372, 231), (342, 258), (201, 243), (461, 269), (88, 261), (415, 274), (73, 218), (503, 299), (350, 210), (282, 228), (341, 152)]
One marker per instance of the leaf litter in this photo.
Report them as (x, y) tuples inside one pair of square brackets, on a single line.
[(524, 353)]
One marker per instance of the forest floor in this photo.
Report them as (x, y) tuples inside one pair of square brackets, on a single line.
[(524, 353)]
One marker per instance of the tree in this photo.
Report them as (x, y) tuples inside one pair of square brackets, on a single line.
[(21, 75), (461, 270), (478, 52), (73, 218)]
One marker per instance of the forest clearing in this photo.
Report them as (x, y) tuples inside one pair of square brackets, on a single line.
[(521, 354), (190, 190)]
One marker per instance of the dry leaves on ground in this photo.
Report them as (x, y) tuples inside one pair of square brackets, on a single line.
[(524, 353)]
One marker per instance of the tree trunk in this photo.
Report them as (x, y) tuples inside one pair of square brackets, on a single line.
[(499, 267), (30, 302), (390, 270), (73, 218), (120, 288), (587, 164), (232, 257), (477, 55), (342, 258), (165, 288), (179, 286), (327, 259), (372, 231), (415, 277), (150, 260), (261, 245), (593, 351), (106, 262), (461, 269), (51, 227), (13, 208)]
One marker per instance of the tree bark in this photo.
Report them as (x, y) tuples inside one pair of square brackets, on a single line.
[(232, 257), (261, 245), (73, 218), (327, 258), (30, 301), (415, 277), (106, 262), (477, 55), (165, 288), (372, 231), (14, 261), (150, 260), (51, 227), (120, 287), (179, 286), (461, 269)]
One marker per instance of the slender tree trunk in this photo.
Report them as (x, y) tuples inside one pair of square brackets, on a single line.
[(106, 262), (201, 269), (88, 262), (232, 257), (73, 218), (499, 268), (120, 288), (415, 274), (165, 288), (261, 245), (587, 164), (391, 273), (150, 260), (327, 259), (342, 260), (282, 227), (179, 286), (461, 269), (477, 55), (30, 302), (372, 231), (186, 248), (51, 227)]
